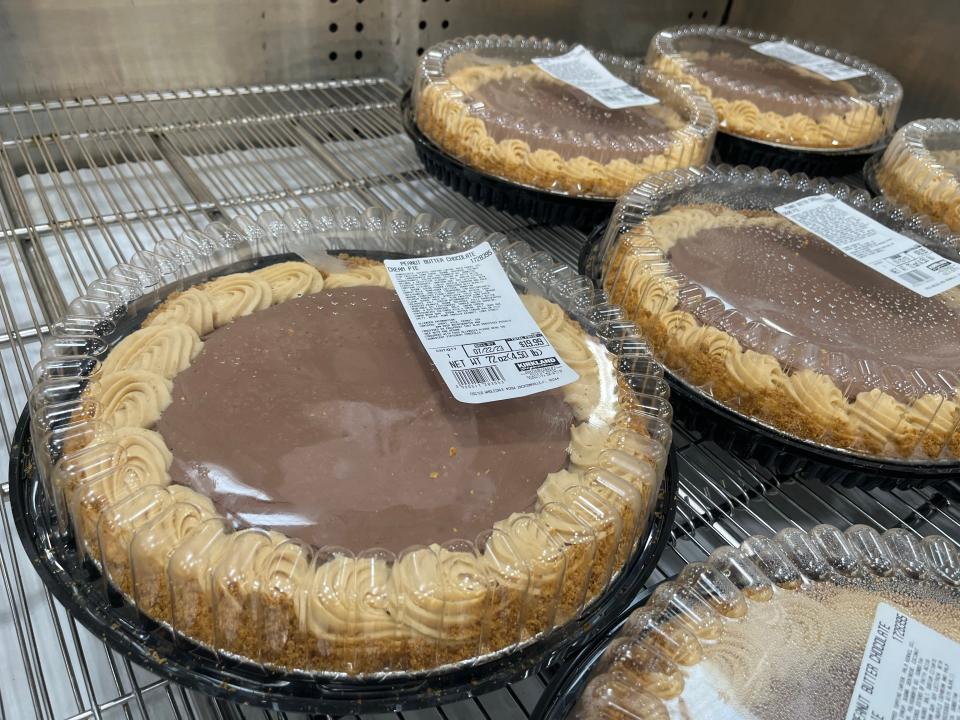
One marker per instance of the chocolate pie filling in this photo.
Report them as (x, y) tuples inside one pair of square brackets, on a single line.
[(324, 418), (773, 85), (554, 104), (799, 283)]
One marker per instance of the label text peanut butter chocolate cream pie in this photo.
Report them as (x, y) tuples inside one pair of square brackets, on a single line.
[(298, 486)]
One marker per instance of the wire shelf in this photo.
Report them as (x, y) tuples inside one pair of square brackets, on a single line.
[(86, 182)]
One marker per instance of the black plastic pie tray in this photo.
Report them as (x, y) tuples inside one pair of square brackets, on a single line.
[(567, 684), (738, 150), (769, 449), (543, 206), (106, 613)]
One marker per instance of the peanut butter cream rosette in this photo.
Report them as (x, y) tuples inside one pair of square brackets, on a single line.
[(483, 100), (425, 532), (775, 323), (776, 628), (921, 169), (765, 98)]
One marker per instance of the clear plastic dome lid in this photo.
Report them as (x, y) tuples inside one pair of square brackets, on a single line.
[(779, 628), (242, 429), (780, 90), (777, 323), (487, 101), (921, 169)]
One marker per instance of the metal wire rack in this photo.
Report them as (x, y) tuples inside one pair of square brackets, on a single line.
[(86, 182)]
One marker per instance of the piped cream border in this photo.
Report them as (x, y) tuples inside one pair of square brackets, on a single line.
[(911, 174)]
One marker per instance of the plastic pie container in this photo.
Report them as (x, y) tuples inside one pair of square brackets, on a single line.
[(166, 425), (486, 102), (782, 102), (777, 627), (781, 332)]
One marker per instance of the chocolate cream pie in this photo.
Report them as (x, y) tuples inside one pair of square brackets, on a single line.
[(921, 169), (299, 487), (519, 123), (711, 286), (787, 646), (765, 98)]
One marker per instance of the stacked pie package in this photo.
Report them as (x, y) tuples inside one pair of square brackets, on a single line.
[(747, 303), (798, 625), (780, 92), (513, 108), (243, 431), (921, 169)]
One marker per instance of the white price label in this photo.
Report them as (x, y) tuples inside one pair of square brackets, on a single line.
[(476, 330), (908, 672), (582, 70), (888, 252), (790, 53)]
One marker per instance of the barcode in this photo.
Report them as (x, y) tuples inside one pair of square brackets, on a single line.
[(479, 376), (915, 276)]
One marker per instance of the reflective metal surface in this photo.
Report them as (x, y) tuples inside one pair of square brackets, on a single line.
[(50, 48), (87, 182), (915, 41)]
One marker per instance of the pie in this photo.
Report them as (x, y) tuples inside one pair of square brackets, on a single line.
[(921, 169), (767, 99), (776, 323), (789, 645), (293, 483), (517, 122)]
